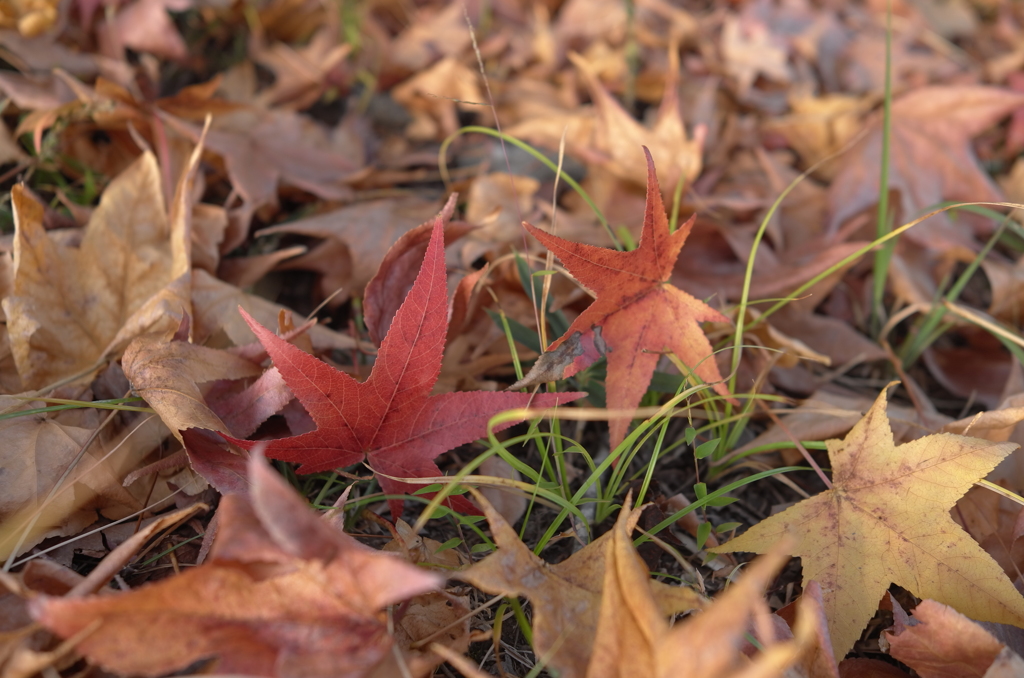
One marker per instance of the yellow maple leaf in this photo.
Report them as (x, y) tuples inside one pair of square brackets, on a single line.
[(886, 520)]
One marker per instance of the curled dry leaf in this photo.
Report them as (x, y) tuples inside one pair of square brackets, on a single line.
[(562, 634), (396, 271), (633, 638), (282, 594), (944, 644), (817, 661), (71, 306), (867, 532), (167, 375), (21, 640)]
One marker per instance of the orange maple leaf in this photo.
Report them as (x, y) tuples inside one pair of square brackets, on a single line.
[(639, 314), (886, 520)]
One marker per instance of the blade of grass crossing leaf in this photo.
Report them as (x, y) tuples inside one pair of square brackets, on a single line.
[(1001, 491), (511, 342), (495, 445), (1013, 348), (655, 454), (549, 258), (711, 496), (748, 276), (1008, 337), (58, 408), (771, 447), (631, 442), (883, 226), (151, 507), (927, 333), (864, 250), (58, 486), (443, 166), (173, 548)]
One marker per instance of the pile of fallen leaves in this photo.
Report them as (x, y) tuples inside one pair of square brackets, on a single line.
[(484, 338)]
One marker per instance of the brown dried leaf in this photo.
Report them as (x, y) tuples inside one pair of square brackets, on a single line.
[(819, 127), (166, 373), (216, 313), (817, 661), (144, 26), (263, 149), (932, 159), (558, 593), (301, 74), (434, 32), (71, 306), (498, 207), (618, 136), (19, 636), (366, 230), (944, 644), (434, 96), (750, 50), (283, 594), (35, 455), (633, 638)]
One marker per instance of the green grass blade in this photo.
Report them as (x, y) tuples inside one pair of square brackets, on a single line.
[(883, 225)]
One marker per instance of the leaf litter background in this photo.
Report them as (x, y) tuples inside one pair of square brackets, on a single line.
[(138, 542)]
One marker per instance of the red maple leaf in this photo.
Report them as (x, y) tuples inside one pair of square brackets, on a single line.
[(637, 314), (390, 420)]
